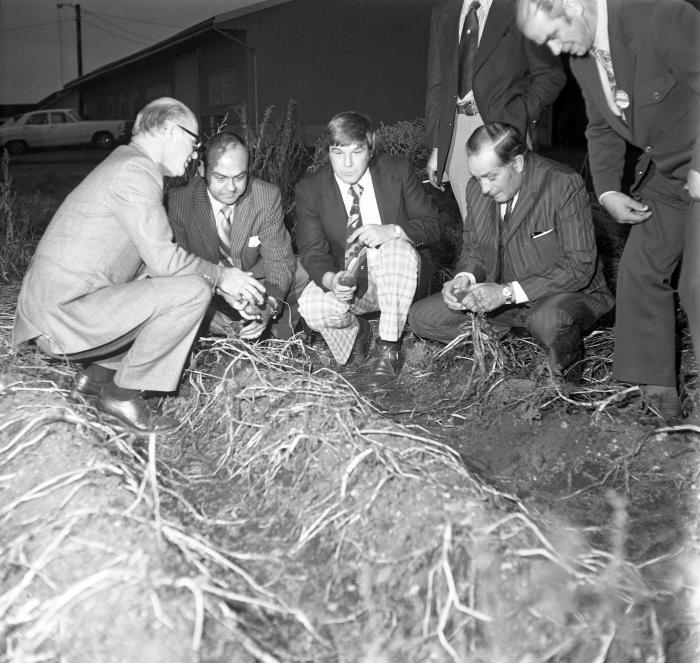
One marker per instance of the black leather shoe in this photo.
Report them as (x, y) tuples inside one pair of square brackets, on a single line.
[(385, 367), (87, 385), (363, 339), (135, 415)]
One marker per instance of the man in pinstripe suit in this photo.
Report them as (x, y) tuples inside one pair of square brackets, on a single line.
[(223, 215), (529, 256)]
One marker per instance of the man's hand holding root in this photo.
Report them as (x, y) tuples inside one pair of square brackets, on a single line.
[(239, 289), (457, 294)]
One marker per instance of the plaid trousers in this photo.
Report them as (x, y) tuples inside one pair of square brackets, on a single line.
[(392, 278)]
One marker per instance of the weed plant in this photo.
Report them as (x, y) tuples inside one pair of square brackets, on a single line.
[(23, 218)]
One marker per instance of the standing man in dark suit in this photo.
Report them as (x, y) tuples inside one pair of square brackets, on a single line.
[(480, 69), (638, 65), (108, 287), (366, 203), (223, 215), (529, 255)]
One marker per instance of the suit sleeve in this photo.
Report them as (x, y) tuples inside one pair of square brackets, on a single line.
[(577, 263), (423, 224), (543, 83), (434, 85), (314, 249), (471, 259), (677, 44), (177, 222), (276, 248), (137, 203)]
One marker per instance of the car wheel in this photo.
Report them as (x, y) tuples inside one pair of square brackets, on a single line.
[(103, 140), (16, 146)]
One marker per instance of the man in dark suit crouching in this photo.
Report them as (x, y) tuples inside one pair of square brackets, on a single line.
[(529, 256)]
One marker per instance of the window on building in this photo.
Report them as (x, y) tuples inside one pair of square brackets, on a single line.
[(223, 87)]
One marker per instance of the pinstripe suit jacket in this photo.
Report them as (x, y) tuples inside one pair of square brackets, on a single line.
[(322, 217), (259, 240), (108, 230), (552, 198)]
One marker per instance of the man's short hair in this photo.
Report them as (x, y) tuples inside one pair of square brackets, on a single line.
[(219, 143), (505, 140), (349, 128), (155, 114), (524, 9)]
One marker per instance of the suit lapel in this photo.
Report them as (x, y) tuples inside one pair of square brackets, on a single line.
[(205, 222), (386, 193), (498, 21)]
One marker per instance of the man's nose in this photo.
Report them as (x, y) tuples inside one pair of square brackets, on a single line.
[(485, 187), (554, 46), (347, 162)]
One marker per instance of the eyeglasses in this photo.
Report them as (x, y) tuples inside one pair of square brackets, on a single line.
[(198, 143)]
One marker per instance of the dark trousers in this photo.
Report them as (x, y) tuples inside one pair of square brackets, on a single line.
[(645, 324), (558, 322)]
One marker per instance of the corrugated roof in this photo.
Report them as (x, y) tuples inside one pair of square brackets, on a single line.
[(196, 30)]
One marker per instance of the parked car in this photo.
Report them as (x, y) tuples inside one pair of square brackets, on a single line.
[(56, 127)]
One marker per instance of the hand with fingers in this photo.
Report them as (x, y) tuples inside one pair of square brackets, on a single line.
[(457, 294), (239, 288), (624, 208)]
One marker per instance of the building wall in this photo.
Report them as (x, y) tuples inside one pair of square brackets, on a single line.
[(366, 55)]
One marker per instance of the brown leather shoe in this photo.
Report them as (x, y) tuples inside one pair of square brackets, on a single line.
[(86, 385), (363, 339), (385, 367), (135, 415)]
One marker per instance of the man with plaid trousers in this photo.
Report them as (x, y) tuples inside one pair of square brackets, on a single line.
[(361, 201)]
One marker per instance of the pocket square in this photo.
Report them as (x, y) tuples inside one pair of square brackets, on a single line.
[(253, 241)]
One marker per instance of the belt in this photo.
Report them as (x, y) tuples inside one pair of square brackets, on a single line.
[(468, 108)]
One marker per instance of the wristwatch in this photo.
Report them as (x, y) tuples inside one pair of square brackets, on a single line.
[(508, 293), (397, 230)]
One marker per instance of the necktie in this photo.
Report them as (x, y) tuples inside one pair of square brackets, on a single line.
[(224, 229), (620, 97), (354, 222), (468, 44), (506, 214)]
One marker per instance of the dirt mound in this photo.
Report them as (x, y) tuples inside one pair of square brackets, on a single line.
[(289, 520)]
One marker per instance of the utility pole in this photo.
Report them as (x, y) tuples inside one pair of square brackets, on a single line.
[(79, 44)]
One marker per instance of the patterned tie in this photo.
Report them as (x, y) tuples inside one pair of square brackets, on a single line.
[(354, 222), (224, 230), (620, 97), (506, 214), (468, 44)]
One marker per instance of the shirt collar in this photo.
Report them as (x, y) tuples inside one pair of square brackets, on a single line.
[(364, 182), (602, 39)]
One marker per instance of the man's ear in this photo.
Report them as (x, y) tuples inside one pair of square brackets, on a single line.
[(200, 169), (519, 163), (572, 8)]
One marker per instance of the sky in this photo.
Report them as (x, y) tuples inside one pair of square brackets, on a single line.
[(38, 52)]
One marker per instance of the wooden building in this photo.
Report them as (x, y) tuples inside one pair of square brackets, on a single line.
[(327, 55)]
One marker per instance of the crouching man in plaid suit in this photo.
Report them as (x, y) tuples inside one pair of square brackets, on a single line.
[(371, 206)]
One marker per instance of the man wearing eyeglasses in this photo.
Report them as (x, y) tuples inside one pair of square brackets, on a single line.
[(108, 287), (224, 215)]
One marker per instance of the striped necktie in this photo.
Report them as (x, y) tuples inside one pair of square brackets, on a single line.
[(224, 230), (354, 222)]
